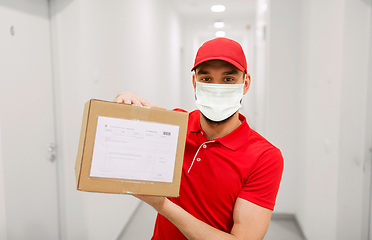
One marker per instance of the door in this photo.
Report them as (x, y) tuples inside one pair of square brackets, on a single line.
[(27, 121)]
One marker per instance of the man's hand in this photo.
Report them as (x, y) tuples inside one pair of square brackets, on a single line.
[(156, 202), (131, 98)]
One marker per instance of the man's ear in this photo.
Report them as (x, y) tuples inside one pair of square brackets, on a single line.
[(194, 81), (247, 82)]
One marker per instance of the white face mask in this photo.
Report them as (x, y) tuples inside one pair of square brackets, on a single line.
[(217, 102)]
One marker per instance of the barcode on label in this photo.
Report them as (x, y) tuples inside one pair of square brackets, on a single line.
[(167, 133)]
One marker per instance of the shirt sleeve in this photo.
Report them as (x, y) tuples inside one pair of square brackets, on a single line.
[(179, 110), (262, 185)]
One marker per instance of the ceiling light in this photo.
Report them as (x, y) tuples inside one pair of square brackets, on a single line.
[(263, 8), (219, 24), (220, 34), (218, 8)]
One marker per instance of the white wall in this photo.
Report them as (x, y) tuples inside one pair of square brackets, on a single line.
[(28, 176), (261, 58), (367, 206), (319, 98), (277, 51), (277, 69), (356, 45), (99, 49), (3, 232), (316, 111)]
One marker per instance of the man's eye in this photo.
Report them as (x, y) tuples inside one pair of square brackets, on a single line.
[(206, 79), (229, 79)]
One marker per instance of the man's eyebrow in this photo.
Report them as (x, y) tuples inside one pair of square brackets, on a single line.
[(201, 71), (231, 72)]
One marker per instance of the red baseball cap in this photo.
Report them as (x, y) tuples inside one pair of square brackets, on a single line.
[(222, 49)]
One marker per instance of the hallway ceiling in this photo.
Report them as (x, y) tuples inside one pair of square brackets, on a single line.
[(238, 16), (202, 8)]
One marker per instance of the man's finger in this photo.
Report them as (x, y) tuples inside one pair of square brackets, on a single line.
[(118, 99), (131, 98), (135, 101), (127, 100), (143, 102)]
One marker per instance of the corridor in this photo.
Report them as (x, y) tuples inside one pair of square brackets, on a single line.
[(310, 63)]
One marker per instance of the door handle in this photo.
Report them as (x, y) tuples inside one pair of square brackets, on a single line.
[(51, 152)]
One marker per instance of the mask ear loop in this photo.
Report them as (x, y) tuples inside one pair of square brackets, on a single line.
[(192, 163)]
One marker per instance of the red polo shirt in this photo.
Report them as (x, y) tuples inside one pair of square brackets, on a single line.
[(242, 164)]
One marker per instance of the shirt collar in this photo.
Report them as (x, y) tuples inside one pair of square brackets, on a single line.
[(194, 122), (233, 140)]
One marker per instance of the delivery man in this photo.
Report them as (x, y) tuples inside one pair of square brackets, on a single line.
[(231, 174)]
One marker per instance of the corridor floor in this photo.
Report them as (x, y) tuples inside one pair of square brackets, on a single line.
[(141, 225)]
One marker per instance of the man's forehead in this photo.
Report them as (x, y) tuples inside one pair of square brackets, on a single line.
[(216, 64)]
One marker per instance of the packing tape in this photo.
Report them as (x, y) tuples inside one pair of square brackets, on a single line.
[(140, 113)]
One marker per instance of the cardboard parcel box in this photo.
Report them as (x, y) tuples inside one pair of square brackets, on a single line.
[(130, 149)]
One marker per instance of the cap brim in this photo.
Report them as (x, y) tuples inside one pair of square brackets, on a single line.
[(234, 63)]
